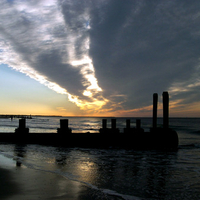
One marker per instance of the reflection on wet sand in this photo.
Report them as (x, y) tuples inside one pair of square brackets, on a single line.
[(93, 171), (20, 152)]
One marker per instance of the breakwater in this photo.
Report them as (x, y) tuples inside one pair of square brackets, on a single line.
[(130, 137)]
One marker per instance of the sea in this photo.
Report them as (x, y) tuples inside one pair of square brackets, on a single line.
[(114, 173)]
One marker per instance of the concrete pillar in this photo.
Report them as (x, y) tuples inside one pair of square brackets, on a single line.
[(64, 124), (128, 123), (64, 127), (22, 127), (138, 123), (113, 123), (104, 123), (165, 110), (155, 105), (22, 123)]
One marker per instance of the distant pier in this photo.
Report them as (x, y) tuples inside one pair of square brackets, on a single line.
[(132, 137)]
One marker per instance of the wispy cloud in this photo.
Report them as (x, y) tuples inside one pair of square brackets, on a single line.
[(106, 56), (37, 40)]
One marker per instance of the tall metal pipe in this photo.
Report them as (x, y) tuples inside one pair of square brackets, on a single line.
[(138, 123), (165, 110), (64, 124), (155, 105), (104, 123), (128, 123), (22, 123), (113, 123)]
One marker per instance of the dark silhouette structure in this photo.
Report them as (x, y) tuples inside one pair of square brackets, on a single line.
[(113, 130), (22, 127), (133, 137), (155, 107), (128, 128), (64, 127), (104, 124), (165, 110), (138, 126)]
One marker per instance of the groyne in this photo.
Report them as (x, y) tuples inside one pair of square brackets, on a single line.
[(132, 137)]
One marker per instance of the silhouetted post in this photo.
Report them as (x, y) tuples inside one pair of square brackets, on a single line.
[(128, 128), (128, 123), (104, 123), (155, 105), (22, 127), (138, 126), (64, 124), (64, 127), (165, 110), (111, 130), (104, 129), (114, 130), (138, 123), (113, 123), (22, 123)]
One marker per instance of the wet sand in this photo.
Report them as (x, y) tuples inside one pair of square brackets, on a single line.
[(21, 183), (8, 187)]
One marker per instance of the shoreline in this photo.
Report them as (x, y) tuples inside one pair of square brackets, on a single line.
[(8, 186), (24, 183), (21, 182)]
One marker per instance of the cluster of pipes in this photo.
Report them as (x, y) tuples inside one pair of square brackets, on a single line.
[(165, 110)]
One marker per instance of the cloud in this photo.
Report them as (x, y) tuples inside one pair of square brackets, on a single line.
[(148, 47), (107, 56), (50, 49)]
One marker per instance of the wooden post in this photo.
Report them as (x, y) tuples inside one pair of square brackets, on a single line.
[(165, 110), (64, 127), (64, 124), (113, 123), (104, 123), (128, 123), (22, 123), (138, 123), (155, 105), (22, 127)]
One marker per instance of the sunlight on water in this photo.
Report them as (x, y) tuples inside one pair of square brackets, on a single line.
[(113, 173), (117, 174)]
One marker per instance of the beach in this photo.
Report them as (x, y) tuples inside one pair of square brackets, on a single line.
[(36, 171), (21, 181)]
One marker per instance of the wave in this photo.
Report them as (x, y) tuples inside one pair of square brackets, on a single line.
[(198, 132), (70, 177), (189, 146), (41, 127)]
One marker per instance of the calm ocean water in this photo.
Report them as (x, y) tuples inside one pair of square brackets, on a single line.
[(114, 173)]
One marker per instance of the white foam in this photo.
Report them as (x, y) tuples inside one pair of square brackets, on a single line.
[(123, 196), (105, 191), (29, 163), (5, 161), (72, 177)]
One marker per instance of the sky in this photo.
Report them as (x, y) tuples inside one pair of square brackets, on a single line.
[(99, 57)]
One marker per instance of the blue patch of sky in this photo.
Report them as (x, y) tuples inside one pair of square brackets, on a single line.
[(16, 85), (12, 81), (88, 24), (10, 1)]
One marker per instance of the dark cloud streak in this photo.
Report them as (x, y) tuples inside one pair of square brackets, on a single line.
[(155, 49), (136, 47)]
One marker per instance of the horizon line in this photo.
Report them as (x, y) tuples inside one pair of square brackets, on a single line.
[(85, 116)]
